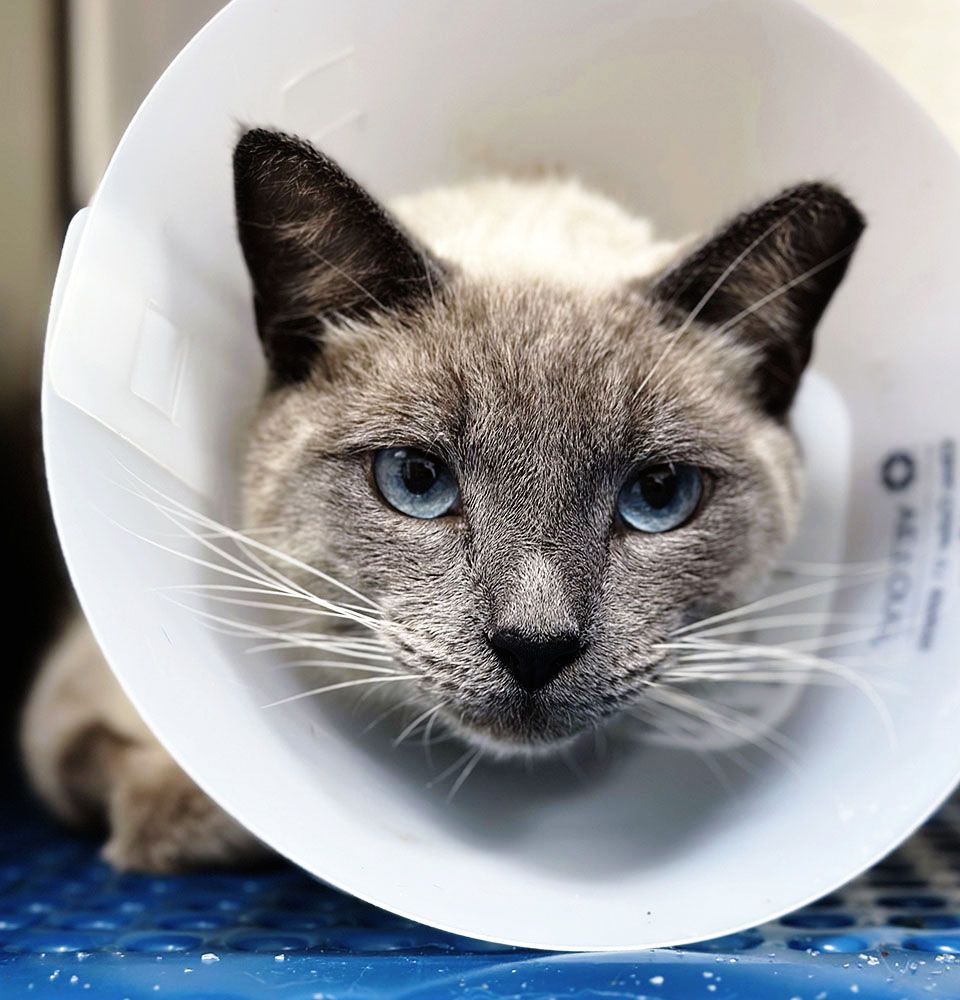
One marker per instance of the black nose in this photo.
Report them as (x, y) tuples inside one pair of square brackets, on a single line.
[(535, 662)]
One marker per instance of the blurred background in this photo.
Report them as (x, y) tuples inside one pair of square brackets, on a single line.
[(73, 74)]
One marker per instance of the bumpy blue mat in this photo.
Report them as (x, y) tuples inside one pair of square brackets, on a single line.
[(69, 926)]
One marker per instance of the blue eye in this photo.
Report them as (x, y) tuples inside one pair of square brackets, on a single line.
[(660, 497), (414, 482)]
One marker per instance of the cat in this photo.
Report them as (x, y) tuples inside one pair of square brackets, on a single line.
[(537, 440)]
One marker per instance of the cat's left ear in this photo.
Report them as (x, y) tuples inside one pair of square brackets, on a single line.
[(765, 279), (319, 248)]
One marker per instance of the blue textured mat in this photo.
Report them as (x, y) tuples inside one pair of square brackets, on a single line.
[(70, 926)]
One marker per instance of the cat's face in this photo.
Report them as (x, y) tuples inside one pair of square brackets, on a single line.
[(536, 485)]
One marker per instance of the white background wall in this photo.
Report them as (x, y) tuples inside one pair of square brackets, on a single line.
[(28, 185), (119, 47), (917, 40)]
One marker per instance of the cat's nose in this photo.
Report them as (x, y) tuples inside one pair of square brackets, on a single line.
[(534, 662)]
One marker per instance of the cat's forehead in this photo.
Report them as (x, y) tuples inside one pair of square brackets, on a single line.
[(497, 367)]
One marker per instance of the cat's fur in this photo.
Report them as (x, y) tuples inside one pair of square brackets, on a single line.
[(534, 348)]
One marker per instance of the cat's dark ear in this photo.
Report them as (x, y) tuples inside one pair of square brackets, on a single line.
[(765, 279), (318, 248)]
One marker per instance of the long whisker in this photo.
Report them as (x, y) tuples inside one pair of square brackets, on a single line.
[(774, 743), (295, 591), (407, 730), (464, 774), (288, 643), (244, 573), (748, 673), (787, 286), (209, 522), (305, 640), (249, 577), (213, 533), (334, 646), (336, 665), (728, 716), (798, 659), (799, 568), (177, 513), (763, 301), (340, 687), (821, 643), (215, 592), (447, 771), (748, 676), (291, 639), (357, 643), (265, 605), (293, 588), (786, 621), (425, 739), (319, 640), (719, 649), (386, 714), (794, 595), (269, 589), (649, 717)]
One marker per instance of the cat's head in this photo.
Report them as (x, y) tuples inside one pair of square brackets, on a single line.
[(537, 484)]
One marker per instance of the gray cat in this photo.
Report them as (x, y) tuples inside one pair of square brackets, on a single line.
[(535, 440)]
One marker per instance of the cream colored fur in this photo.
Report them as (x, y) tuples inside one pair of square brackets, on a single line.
[(553, 228)]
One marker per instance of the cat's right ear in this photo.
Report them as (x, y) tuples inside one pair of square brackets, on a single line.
[(764, 280), (318, 248)]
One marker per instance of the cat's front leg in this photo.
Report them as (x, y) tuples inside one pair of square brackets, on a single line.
[(160, 821), (93, 761)]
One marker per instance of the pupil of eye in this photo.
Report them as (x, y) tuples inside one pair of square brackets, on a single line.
[(659, 487), (419, 475)]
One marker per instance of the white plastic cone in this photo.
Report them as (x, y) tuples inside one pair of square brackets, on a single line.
[(685, 110)]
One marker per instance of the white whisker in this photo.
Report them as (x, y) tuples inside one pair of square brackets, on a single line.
[(784, 288), (447, 771), (336, 665), (407, 730), (770, 740), (795, 595), (708, 759), (764, 300), (340, 687), (748, 676), (295, 640), (425, 739), (176, 513), (267, 590), (386, 714), (748, 673), (270, 606), (797, 567), (464, 774), (244, 573), (787, 621), (210, 523), (795, 659)]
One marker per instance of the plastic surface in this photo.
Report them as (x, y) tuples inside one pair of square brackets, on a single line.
[(685, 110), (71, 926)]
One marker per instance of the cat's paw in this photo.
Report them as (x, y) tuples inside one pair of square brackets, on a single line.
[(160, 821)]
